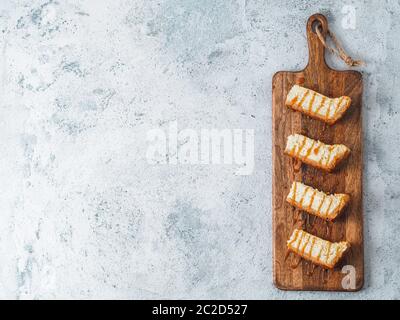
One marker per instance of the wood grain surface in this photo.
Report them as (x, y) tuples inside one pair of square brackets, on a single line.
[(345, 179)]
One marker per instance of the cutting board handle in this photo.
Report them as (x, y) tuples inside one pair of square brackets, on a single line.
[(316, 50)]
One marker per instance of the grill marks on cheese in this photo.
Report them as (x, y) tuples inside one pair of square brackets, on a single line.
[(317, 105), (316, 202), (315, 153), (316, 250)]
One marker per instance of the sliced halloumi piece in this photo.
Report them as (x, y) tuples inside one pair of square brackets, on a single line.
[(316, 202), (315, 153), (317, 105), (319, 251)]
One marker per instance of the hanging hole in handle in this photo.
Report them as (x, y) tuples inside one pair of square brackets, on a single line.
[(317, 21), (316, 24)]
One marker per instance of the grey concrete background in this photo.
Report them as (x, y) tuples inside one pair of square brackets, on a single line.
[(83, 215)]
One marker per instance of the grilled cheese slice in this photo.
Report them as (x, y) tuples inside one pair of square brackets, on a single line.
[(315, 153), (317, 105), (319, 251), (316, 202)]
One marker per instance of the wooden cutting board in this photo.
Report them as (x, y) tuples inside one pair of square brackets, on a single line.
[(346, 179)]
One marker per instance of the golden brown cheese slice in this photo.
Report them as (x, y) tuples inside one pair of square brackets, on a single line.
[(319, 251), (316, 202), (315, 153), (317, 105)]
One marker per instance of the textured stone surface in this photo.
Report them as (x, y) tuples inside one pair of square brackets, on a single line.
[(83, 214)]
